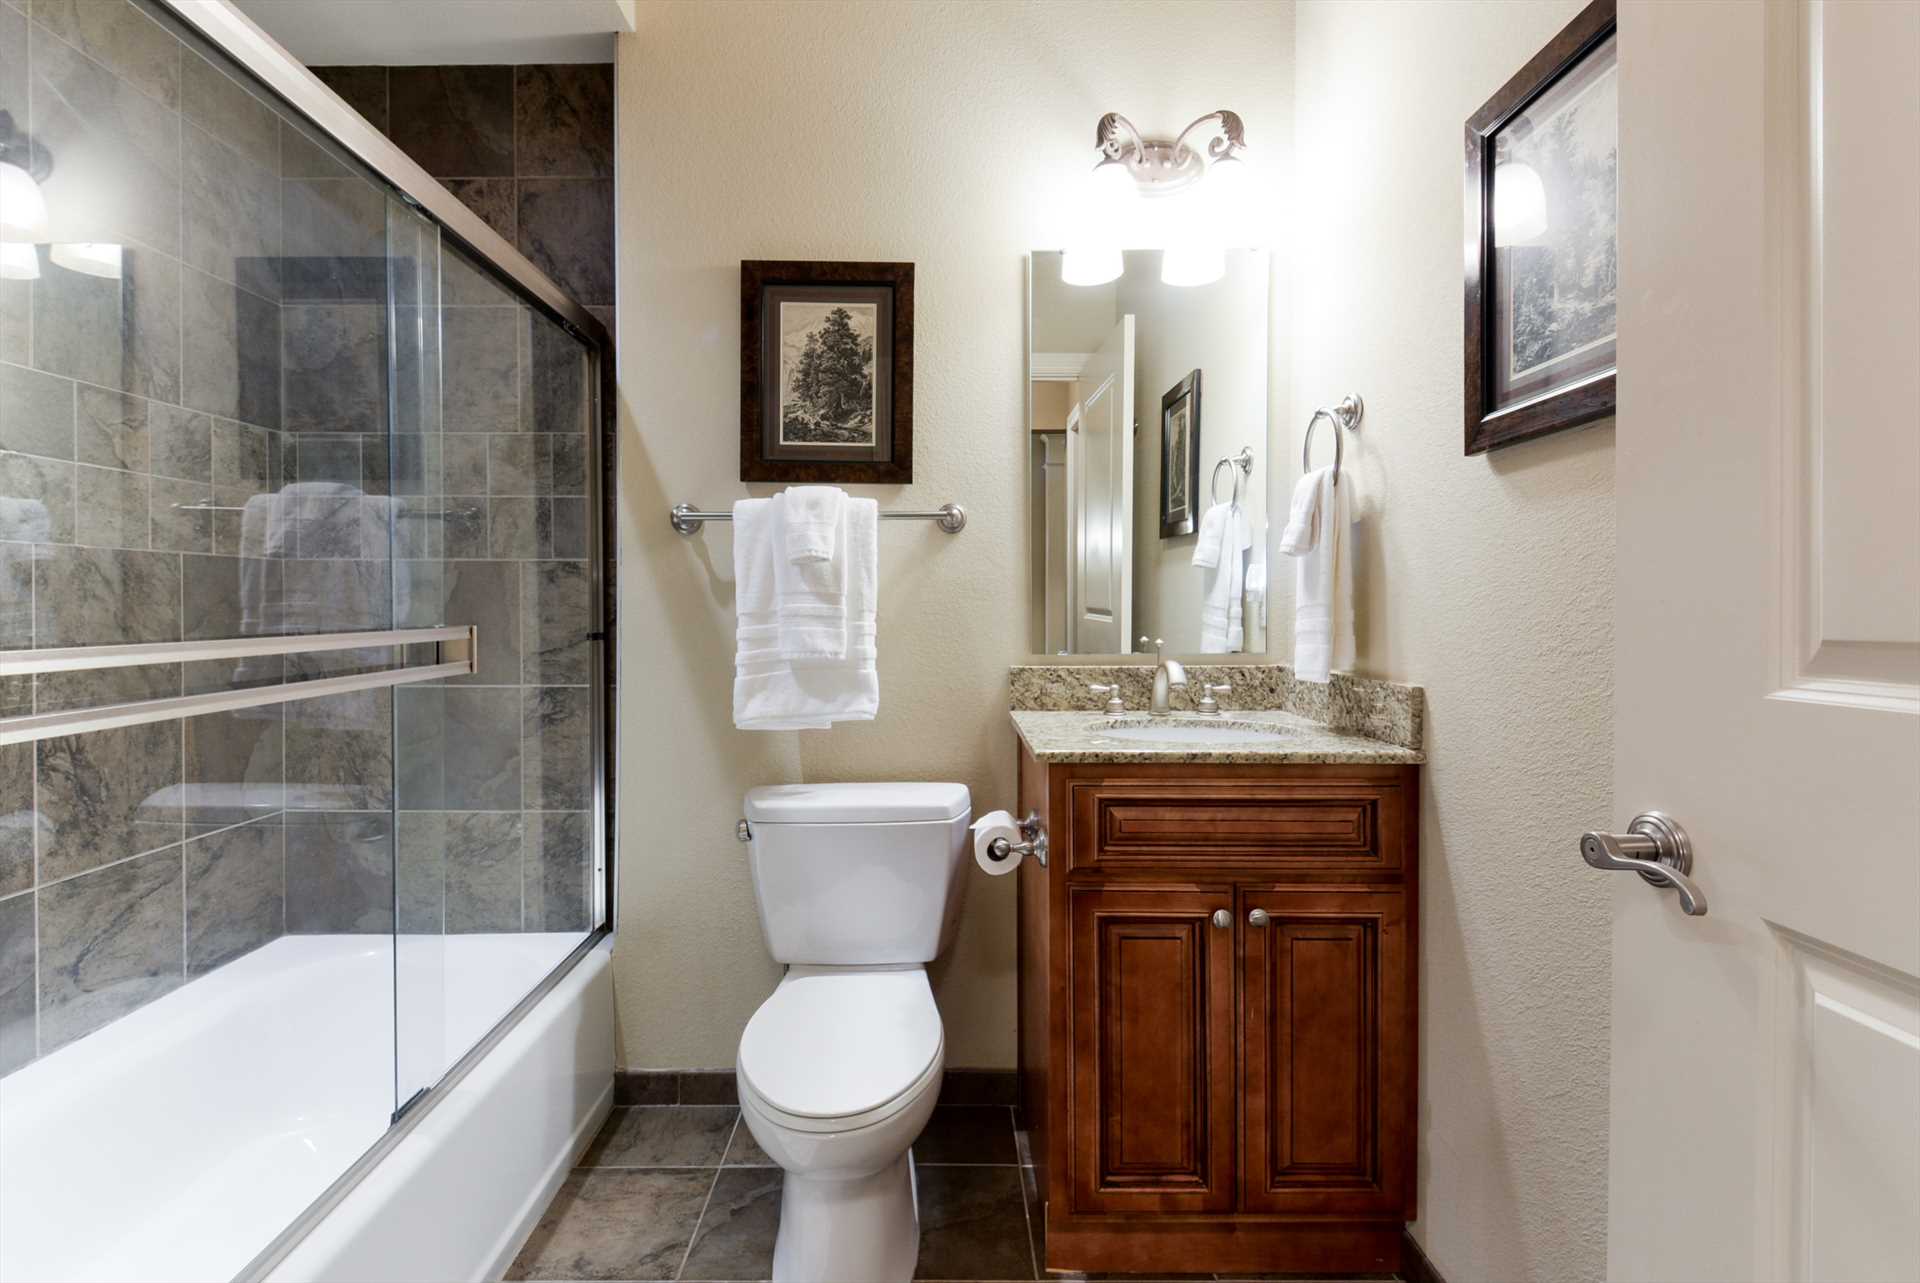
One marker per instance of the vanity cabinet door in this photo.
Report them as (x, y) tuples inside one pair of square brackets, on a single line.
[(1151, 1040), (1327, 1038)]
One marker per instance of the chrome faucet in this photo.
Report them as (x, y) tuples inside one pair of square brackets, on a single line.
[(1167, 673)]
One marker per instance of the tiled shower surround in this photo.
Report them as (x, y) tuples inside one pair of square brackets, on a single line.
[(241, 362)]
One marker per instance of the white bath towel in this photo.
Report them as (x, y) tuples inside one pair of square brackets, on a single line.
[(772, 692), (810, 593), (1323, 595), (1297, 538), (1225, 537), (1257, 574), (813, 521)]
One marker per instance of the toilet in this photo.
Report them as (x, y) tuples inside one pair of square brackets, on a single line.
[(859, 887)]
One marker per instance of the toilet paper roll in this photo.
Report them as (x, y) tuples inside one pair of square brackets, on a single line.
[(992, 825)]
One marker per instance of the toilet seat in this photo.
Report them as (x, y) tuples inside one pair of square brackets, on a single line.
[(834, 1048)]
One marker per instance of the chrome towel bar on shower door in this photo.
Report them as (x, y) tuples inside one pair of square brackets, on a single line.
[(458, 655)]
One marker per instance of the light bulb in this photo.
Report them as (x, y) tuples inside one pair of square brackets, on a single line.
[(95, 258), (1194, 262), (1093, 256), (1519, 203), (18, 262), (23, 210), (1087, 265)]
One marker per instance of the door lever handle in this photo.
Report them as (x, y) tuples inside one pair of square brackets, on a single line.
[(1655, 847)]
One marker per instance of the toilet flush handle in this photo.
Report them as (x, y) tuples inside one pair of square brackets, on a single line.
[(743, 831)]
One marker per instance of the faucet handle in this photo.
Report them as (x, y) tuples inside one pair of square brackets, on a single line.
[(1207, 704), (1114, 705)]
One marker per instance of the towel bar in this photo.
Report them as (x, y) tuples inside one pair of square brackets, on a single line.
[(951, 516)]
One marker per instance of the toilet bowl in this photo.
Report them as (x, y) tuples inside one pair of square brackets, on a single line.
[(858, 887)]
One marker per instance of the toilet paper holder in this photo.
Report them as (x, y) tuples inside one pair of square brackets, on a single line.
[(1035, 845)]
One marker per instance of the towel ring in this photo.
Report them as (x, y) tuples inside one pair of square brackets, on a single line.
[(1242, 461), (1345, 415)]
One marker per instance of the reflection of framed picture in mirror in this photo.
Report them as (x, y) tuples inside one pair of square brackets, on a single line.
[(826, 372), (1179, 456), (1541, 198)]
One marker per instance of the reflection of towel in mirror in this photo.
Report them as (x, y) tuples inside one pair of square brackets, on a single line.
[(1225, 537), (1323, 594)]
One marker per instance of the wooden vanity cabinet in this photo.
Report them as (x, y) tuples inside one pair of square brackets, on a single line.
[(1218, 1015)]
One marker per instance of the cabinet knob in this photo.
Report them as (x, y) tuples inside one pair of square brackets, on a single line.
[(1222, 919), (1257, 918)]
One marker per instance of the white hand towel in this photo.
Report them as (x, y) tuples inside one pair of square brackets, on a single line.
[(1298, 537), (1323, 596), (1213, 529), (1223, 587), (810, 595), (813, 521), (772, 692), (1257, 576)]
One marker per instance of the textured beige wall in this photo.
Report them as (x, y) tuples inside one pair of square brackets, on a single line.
[(948, 134), (1489, 581)]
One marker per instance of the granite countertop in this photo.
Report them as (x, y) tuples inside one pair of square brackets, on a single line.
[(1074, 736)]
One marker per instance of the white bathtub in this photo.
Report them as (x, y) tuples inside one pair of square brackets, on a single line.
[(178, 1142)]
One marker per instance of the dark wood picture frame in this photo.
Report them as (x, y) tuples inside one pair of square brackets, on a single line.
[(888, 287), (1489, 427), (1180, 523)]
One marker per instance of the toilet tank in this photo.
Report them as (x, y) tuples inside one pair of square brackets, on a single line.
[(852, 874)]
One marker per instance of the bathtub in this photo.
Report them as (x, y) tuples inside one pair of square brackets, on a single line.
[(183, 1141)]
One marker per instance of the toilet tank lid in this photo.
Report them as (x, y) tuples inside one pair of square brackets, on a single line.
[(856, 803)]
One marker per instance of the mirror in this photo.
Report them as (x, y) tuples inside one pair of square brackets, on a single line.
[(1147, 446)]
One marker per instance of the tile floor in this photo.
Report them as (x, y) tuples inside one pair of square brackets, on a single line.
[(683, 1192)]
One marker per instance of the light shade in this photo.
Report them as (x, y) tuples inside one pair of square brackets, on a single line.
[(1194, 262), (23, 211), (95, 258), (1090, 266), (1519, 203), (18, 262)]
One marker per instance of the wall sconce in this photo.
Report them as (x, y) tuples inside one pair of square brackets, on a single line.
[(1188, 199)]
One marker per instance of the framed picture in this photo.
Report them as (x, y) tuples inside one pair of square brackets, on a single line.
[(826, 372), (1542, 189), (1179, 456)]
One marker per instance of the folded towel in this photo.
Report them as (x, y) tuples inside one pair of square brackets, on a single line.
[(810, 594), (1213, 529), (813, 516), (1298, 536), (1257, 576), (1225, 537), (772, 691), (1323, 596)]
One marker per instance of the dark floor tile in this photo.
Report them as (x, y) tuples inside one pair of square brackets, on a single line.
[(735, 1238), (973, 1224), (967, 1134), (709, 1087), (745, 1151), (975, 1086), (663, 1136), (615, 1225), (646, 1087)]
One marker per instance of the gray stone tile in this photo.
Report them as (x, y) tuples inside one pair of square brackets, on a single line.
[(569, 463), (559, 865), (465, 525), (334, 240), (235, 767), (558, 741), (110, 942), (115, 333), (967, 1134), (519, 465), (16, 983), (565, 225), (16, 316), (224, 108), (117, 177), (487, 594), (56, 691), (484, 871), (232, 351), (519, 528), (364, 88), (113, 509), (615, 1225), (180, 442), (737, 1230), (107, 795), (111, 430), (745, 1151), (557, 616), (483, 760), (103, 596), (236, 892), (232, 597), (17, 565), (17, 816), (491, 198), (340, 752), (335, 596), (121, 38), (480, 359), (570, 529), (465, 283), (663, 1136), (36, 412), (339, 872), (240, 455), (335, 368), (231, 214), (455, 121), (176, 524), (563, 123), (418, 463), (553, 379), (329, 526), (327, 456), (36, 499), (420, 729), (466, 463), (973, 1224), (422, 870), (306, 153)]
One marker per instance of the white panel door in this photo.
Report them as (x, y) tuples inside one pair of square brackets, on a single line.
[(1765, 1085), (1100, 498)]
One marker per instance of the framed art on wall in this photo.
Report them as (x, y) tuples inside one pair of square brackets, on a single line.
[(1179, 456), (1542, 181), (826, 371)]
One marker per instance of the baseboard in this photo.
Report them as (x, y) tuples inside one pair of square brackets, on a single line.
[(716, 1087), (1414, 1265)]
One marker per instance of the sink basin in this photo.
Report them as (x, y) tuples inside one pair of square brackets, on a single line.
[(1180, 731)]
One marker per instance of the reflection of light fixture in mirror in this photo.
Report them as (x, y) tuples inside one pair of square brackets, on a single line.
[(1203, 190), (95, 258), (23, 211), (1519, 203), (1194, 262), (18, 262)]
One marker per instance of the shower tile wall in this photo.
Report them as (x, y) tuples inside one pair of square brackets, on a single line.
[(243, 353)]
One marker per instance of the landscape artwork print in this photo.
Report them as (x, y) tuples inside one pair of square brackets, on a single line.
[(827, 368)]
